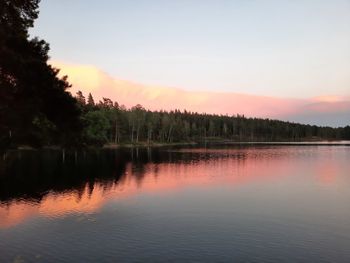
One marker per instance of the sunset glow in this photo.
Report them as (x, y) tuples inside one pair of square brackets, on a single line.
[(90, 79), (254, 166), (174, 131)]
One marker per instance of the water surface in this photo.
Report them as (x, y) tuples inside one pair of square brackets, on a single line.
[(255, 203)]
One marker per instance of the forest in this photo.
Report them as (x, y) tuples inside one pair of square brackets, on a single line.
[(108, 122), (37, 109)]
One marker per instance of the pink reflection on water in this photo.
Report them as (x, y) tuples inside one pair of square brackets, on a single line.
[(214, 168), (327, 173)]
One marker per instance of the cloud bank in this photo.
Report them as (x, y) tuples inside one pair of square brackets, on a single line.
[(325, 110)]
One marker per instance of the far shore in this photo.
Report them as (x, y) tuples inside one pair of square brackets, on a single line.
[(184, 144), (145, 144)]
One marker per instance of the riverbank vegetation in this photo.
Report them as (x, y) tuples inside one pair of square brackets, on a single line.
[(108, 122), (37, 109)]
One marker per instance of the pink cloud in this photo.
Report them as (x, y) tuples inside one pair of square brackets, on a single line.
[(88, 78)]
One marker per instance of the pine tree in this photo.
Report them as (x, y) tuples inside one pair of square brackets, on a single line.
[(90, 101), (33, 99)]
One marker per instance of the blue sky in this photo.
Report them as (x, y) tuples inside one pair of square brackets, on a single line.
[(275, 48)]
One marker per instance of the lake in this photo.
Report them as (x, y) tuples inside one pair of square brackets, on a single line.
[(236, 203)]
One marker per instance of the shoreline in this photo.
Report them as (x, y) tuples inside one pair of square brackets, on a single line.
[(156, 145), (147, 145), (201, 143)]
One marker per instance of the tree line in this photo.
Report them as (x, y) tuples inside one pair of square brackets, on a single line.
[(37, 109), (108, 122)]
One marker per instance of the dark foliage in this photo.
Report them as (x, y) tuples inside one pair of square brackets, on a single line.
[(35, 107), (107, 122)]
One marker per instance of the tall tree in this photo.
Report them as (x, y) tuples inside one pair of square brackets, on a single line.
[(80, 98), (90, 101), (31, 93)]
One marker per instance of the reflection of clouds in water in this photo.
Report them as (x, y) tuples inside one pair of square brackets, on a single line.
[(170, 171), (327, 173)]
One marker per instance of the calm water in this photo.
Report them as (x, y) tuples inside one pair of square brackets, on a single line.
[(253, 204)]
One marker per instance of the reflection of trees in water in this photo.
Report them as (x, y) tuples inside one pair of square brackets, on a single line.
[(32, 174), (35, 173)]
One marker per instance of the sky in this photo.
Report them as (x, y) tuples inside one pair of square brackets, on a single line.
[(285, 49)]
